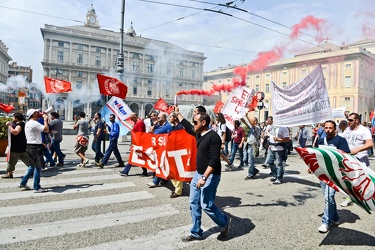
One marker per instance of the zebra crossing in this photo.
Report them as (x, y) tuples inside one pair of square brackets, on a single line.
[(30, 219)]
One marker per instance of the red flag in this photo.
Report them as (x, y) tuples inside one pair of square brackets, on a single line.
[(111, 86), (6, 108), (163, 106), (219, 105), (253, 104), (56, 86)]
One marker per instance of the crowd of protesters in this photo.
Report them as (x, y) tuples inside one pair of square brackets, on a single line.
[(37, 144)]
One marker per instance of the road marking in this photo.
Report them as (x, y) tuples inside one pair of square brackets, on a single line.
[(66, 189), (82, 224), (168, 239), (46, 182), (72, 204)]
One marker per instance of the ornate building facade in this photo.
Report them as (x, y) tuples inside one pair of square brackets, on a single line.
[(152, 68), (348, 71)]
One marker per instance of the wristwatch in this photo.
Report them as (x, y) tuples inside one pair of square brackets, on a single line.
[(204, 178)]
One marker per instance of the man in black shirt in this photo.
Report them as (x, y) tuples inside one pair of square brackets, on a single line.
[(98, 137), (18, 144), (206, 178)]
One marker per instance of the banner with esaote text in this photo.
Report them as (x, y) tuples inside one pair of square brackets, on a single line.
[(170, 156), (339, 113), (236, 106), (343, 172), (303, 102)]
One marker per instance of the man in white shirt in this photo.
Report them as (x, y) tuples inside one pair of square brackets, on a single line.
[(279, 136), (34, 148), (360, 140)]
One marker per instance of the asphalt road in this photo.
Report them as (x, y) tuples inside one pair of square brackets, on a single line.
[(92, 208)]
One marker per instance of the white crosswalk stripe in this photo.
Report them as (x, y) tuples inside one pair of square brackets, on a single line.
[(96, 188), (76, 225)]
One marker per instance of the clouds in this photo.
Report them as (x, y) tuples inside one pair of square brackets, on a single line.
[(223, 39)]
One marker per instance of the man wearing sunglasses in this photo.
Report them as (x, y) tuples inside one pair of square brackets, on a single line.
[(360, 140), (206, 178)]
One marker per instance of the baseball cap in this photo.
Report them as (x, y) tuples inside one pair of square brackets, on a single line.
[(30, 112)]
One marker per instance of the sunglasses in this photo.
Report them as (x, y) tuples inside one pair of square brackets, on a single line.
[(195, 122), (350, 120)]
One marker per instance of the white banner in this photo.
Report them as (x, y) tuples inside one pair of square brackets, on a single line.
[(236, 106), (303, 102), (339, 113)]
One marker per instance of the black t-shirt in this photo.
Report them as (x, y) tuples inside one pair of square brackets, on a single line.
[(18, 142), (99, 125)]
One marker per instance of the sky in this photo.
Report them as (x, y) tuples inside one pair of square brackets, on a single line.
[(224, 39)]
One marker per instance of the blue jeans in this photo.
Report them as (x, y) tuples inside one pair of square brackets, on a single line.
[(56, 148), (204, 198), (330, 214), (250, 158), (112, 148), (302, 142), (95, 146), (235, 147), (28, 174), (48, 156), (276, 157), (129, 166)]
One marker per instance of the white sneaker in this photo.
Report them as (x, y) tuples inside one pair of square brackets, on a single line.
[(323, 229), (347, 202)]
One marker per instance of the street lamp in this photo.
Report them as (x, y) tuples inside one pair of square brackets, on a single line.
[(120, 58)]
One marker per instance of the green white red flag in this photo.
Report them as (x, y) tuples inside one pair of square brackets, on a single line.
[(343, 172)]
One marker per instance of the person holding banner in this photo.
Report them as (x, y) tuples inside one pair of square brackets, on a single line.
[(139, 126), (360, 140), (330, 216), (178, 185), (160, 127), (252, 146), (17, 144), (206, 178), (114, 133)]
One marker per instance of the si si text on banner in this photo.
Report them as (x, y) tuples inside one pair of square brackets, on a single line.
[(303, 102), (170, 156)]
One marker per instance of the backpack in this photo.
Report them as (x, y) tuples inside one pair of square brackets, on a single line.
[(228, 135)]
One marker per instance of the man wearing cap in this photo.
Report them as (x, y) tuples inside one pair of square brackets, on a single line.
[(34, 148)]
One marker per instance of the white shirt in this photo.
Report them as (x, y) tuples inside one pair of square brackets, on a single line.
[(221, 128), (33, 131), (282, 132), (356, 138)]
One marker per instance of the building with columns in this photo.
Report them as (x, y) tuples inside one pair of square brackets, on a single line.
[(152, 68), (348, 71)]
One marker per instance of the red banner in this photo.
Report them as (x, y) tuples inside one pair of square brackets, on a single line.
[(219, 105), (253, 104), (56, 86), (170, 156), (110, 86), (163, 106)]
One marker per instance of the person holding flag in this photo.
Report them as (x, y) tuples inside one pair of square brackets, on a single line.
[(114, 133), (330, 216)]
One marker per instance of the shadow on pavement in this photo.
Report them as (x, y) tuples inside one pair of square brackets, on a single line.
[(239, 226), (347, 237), (62, 189)]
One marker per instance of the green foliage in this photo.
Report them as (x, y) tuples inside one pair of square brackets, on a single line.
[(4, 128)]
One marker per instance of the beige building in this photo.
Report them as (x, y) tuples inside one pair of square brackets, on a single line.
[(349, 72), (152, 68)]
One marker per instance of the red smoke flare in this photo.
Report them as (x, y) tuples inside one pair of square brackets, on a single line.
[(307, 22), (260, 63)]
